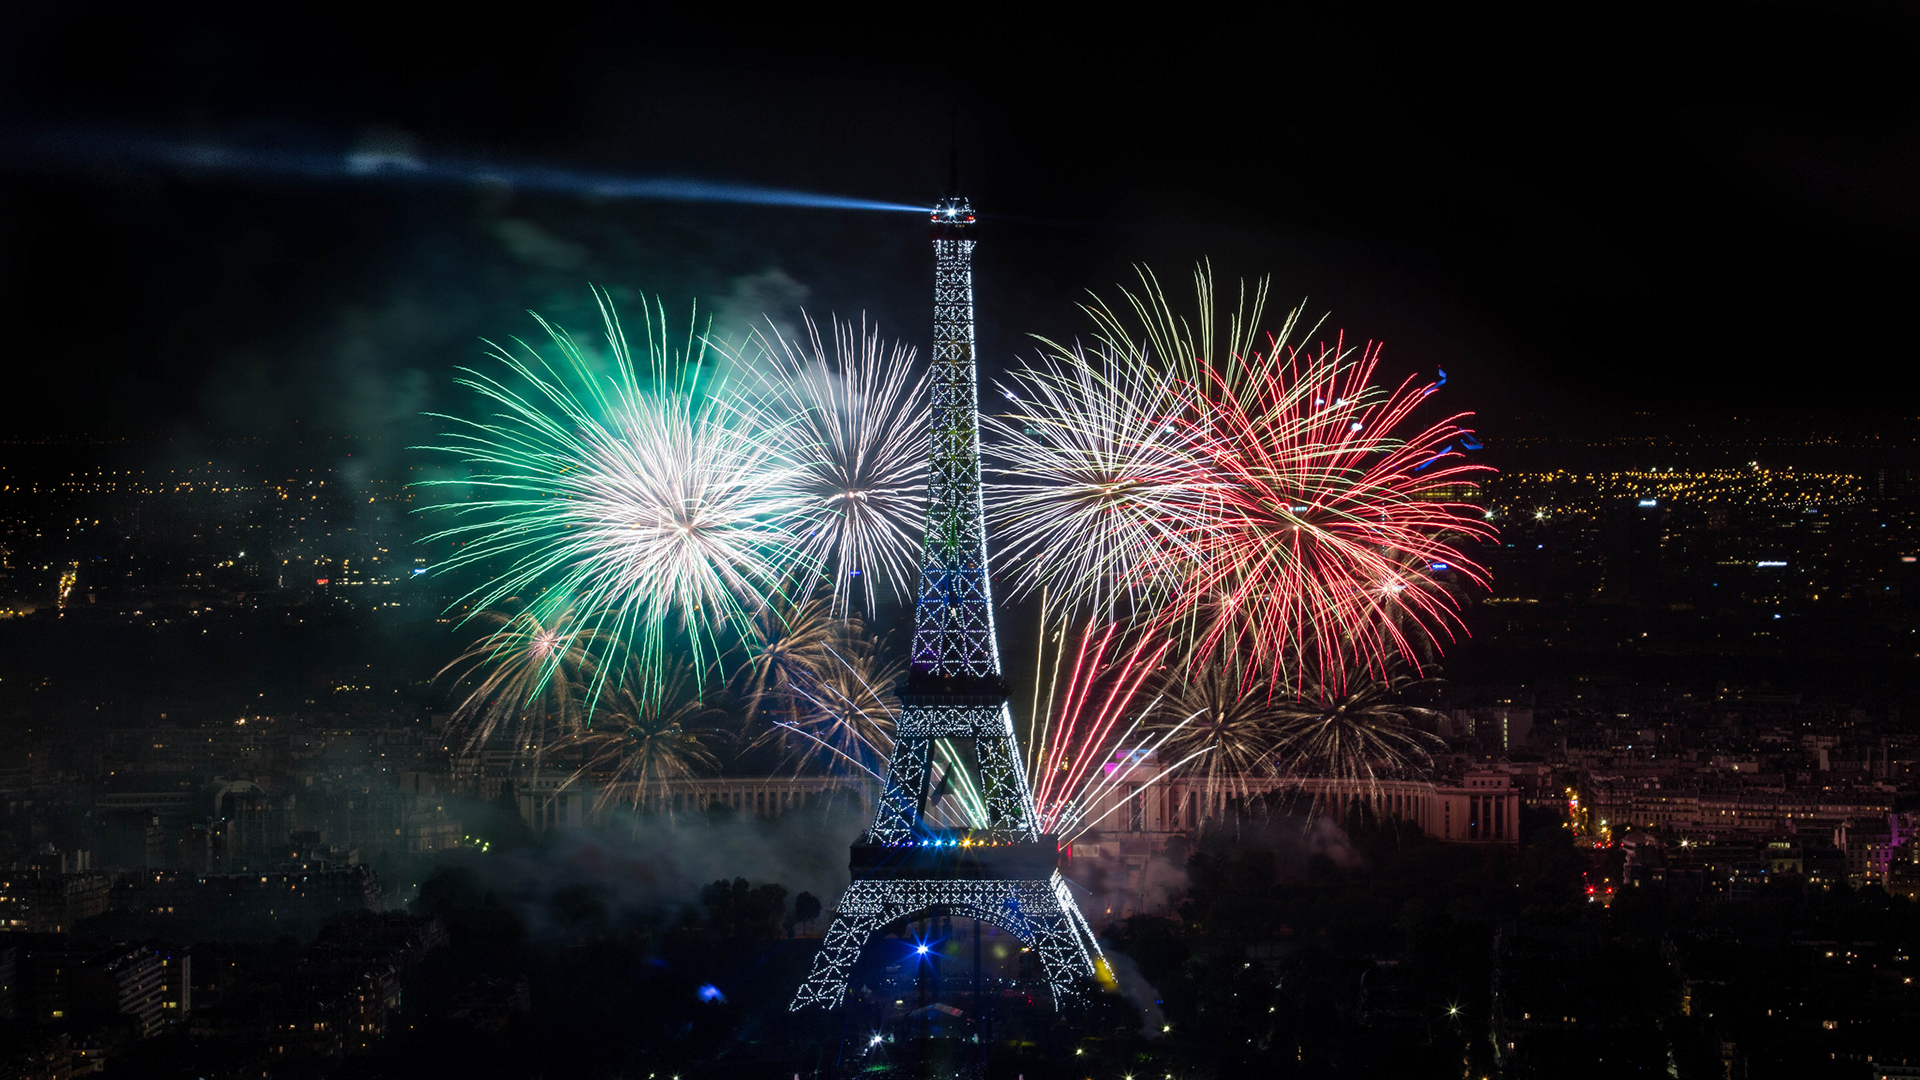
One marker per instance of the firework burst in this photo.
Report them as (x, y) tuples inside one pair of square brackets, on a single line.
[(825, 686), (639, 742), (789, 649), (1331, 530), (1269, 501), (1094, 476), (644, 495), (1357, 730), (522, 681), (848, 720), (856, 426), (1210, 715)]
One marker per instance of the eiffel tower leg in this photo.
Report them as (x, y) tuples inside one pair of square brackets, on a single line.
[(1055, 930), (1081, 930), (906, 791), (1040, 913), (854, 921), (1003, 778)]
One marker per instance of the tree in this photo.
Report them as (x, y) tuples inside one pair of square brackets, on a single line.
[(806, 908)]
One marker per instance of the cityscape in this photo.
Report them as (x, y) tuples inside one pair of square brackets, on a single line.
[(628, 606)]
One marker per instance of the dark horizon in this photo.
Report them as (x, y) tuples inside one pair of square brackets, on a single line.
[(1704, 219)]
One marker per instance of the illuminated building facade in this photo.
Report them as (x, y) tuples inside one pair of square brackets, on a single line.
[(956, 831)]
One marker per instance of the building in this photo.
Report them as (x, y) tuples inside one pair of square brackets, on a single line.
[(428, 828), (550, 801), (176, 985), (1481, 806), (46, 902), (124, 981)]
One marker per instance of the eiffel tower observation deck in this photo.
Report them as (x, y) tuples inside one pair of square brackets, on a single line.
[(955, 831)]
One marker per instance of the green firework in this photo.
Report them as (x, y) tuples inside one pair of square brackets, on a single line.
[(652, 498)]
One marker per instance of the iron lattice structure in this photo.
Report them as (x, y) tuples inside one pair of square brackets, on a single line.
[(993, 863), (953, 611), (1041, 913), (1004, 795)]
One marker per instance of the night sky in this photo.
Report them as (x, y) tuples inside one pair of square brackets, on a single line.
[(1578, 211)]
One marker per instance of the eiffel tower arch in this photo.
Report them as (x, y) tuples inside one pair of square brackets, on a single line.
[(979, 853)]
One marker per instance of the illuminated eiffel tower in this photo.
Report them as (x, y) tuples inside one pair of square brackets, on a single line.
[(956, 832)]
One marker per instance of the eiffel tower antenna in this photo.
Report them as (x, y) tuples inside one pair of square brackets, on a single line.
[(953, 155), (955, 831)]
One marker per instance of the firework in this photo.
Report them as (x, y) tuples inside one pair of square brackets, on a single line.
[(789, 649), (857, 439), (1095, 497), (1331, 530), (826, 685), (645, 495), (522, 680), (1086, 720), (642, 740), (1267, 501), (853, 706), (1357, 730), (1211, 715)]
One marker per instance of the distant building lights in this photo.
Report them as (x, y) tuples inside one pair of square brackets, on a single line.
[(1649, 502), (1771, 562)]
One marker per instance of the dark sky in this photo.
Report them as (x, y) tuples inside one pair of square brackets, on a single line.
[(1578, 210)]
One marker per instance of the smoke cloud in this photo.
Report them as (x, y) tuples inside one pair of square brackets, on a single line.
[(650, 871)]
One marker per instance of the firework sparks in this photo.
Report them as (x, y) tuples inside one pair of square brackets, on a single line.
[(645, 496), (858, 441)]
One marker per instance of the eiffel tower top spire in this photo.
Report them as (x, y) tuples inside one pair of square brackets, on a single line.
[(954, 645)]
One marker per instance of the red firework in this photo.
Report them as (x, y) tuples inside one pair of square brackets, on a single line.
[(1329, 537), (1110, 664)]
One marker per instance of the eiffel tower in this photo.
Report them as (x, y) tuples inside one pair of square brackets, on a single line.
[(955, 832)]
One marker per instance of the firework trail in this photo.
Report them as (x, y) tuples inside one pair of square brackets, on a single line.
[(522, 681), (1266, 501), (1072, 760), (646, 496), (855, 417)]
